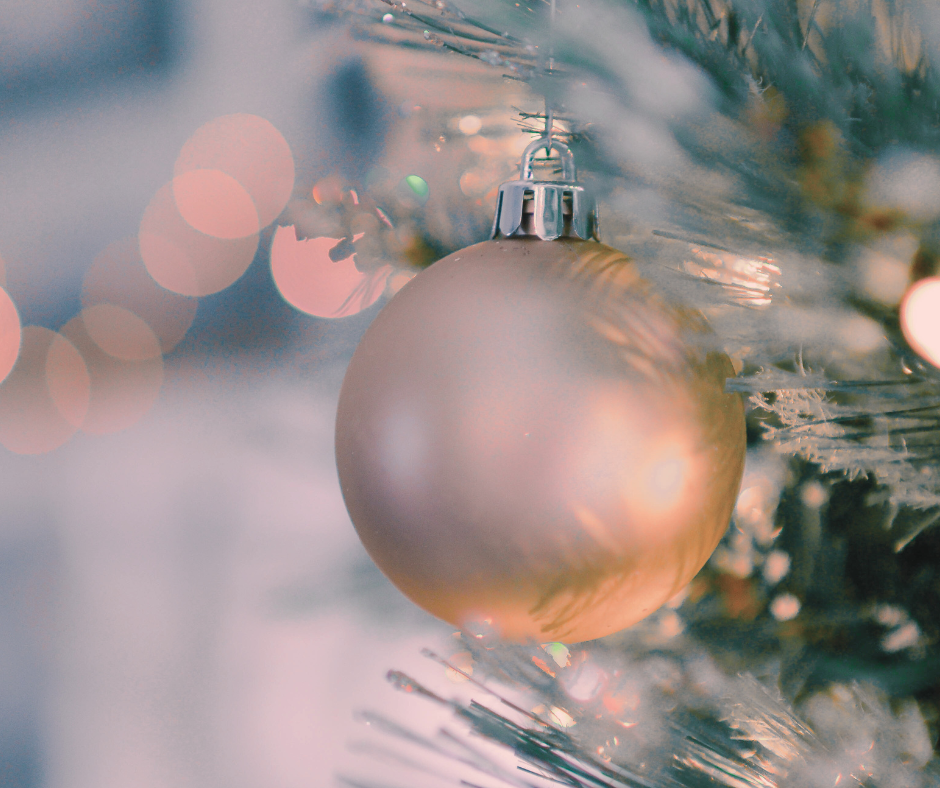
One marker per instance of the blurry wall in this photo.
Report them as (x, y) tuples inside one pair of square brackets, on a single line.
[(184, 602)]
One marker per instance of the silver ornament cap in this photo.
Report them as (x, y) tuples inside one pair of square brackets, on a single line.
[(546, 209)]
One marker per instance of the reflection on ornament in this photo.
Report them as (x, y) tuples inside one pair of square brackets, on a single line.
[(920, 318), (529, 434)]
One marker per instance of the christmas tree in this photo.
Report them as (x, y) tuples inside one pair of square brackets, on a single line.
[(774, 163)]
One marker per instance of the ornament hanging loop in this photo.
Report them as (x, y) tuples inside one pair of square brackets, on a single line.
[(568, 170), (546, 209)]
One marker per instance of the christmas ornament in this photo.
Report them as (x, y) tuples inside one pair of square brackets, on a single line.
[(530, 437)]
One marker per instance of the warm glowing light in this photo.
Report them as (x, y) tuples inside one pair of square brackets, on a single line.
[(905, 636), (749, 280), (184, 260), (312, 282), (667, 476), (665, 479), (249, 149), (561, 717), (215, 204), (9, 334), (118, 276), (883, 267), (124, 363), (120, 333), (785, 607), (328, 190), (776, 566), (470, 125), (906, 181), (472, 183), (461, 667), (45, 398), (920, 318)]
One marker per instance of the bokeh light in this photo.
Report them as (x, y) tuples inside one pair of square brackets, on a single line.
[(584, 683), (907, 181), (9, 334), (748, 280), (125, 366), (470, 125), (118, 276), (785, 607), (309, 279), (215, 204), (250, 150), (45, 398), (920, 318), (184, 260), (120, 333), (418, 186), (328, 190)]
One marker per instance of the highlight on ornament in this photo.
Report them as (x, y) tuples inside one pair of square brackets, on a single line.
[(530, 438)]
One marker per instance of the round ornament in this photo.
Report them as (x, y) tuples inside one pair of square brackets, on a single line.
[(530, 437)]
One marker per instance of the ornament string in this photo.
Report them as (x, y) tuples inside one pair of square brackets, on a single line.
[(549, 109)]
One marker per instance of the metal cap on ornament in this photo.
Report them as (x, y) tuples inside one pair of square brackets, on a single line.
[(546, 209)]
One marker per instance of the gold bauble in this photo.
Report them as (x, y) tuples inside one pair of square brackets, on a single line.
[(531, 437)]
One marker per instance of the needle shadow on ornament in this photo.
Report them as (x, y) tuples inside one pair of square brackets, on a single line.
[(318, 276)]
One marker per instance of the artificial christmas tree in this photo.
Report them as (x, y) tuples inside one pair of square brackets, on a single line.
[(775, 165)]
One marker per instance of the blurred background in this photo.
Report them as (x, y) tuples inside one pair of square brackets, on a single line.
[(183, 600), (203, 204)]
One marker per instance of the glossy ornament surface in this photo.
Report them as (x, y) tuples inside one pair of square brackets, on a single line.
[(530, 436)]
